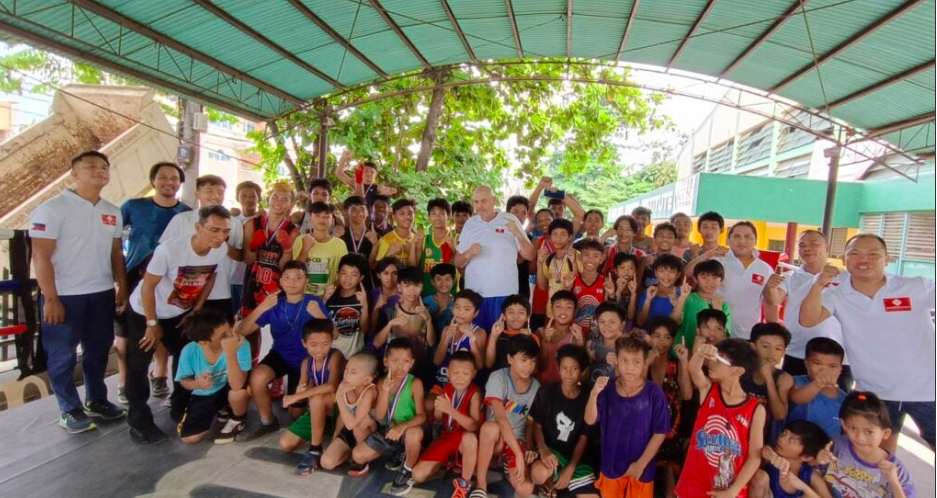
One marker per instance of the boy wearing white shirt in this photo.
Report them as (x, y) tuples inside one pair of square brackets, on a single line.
[(179, 278), (209, 190), (887, 331), (77, 253)]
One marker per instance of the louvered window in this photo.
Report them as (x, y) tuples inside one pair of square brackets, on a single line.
[(699, 162), (793, 168), (920, 240), (790, 137), (720, 159), (838, 242), (892, 232), (755, 145)]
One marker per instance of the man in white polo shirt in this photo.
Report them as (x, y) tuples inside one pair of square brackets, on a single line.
[(814, 251), (887, 331), (487, 252), (78, 257), (209, 191), (746, 275), (178, 279)]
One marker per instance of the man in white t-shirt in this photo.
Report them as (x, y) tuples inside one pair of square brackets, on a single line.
[(78, 257), (178, 279), (487, 253), (888, 332), (814, 251), (209, 190)]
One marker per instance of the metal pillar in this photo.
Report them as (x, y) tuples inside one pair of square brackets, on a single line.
[(833, 154), (188, 153)]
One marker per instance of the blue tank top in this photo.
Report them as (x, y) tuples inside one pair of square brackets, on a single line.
[(319, 374), (463, 344), (774, 478)]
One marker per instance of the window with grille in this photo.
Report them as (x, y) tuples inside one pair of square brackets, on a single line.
[(721, 158), (793, 168), (791, 137), (775, 245), (699, 162), (755, 145), (919, 244)]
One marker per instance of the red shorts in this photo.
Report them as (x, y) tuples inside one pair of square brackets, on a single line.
[(443, 448), (510, 459)]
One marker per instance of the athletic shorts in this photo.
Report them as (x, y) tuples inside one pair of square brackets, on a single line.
[(583, 481), (383, 446), (302, 426), (347, 436), (201, 412), (443, 448), (624, 486), (510, 459), (281, 368)]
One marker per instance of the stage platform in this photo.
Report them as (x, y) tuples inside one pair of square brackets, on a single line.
[(39, 459)]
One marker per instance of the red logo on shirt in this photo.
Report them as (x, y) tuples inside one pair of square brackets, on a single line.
[(758, 279), (499, 230), (897, 304), (109, 219), (39, 227)]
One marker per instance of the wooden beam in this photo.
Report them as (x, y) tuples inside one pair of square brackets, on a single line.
[(793, 9), (376, 5), (899, 125), (324, 26), (517, 35), (851, 41), (569, 29), (64, 49), (458, 30), (883, 84), (223, 14), (686, 39), (118, 18), (624, 37)]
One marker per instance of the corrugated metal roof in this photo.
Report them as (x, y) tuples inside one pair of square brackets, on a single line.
[(263, 58)]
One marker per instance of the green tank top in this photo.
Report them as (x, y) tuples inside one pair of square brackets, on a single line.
[(432, 255), (405, 409)]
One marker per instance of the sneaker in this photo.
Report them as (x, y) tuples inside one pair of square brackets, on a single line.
[(151, 435), (159, 386), (462, 487), (478, 493), (224, 415), (104, 410), (230, 430), (309, 463), (276, 388), (402, 484), (122, 396), (257, 431), (395, 462), (358, 469), (76, 421)]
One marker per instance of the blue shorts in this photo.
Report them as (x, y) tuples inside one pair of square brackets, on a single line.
[(490, 312), (922, 412)]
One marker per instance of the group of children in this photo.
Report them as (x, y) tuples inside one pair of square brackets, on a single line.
[(618, 376)]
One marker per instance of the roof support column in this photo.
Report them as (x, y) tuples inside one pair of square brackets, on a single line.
[(833, 154)]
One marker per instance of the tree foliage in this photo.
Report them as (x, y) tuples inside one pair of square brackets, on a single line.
[(509, 120), (599, 185)]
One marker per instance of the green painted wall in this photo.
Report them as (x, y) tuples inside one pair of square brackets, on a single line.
[(899, 194), (776, 199)]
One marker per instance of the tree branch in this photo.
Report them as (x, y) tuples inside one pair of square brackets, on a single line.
[(295, 175)]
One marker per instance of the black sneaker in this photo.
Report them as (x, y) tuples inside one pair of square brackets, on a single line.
[(159, 386), (358, 469), (150, 435), (395, 462), (231, 429), (224, 414), (257, 431), (76, 421), (402, 484), (104, 410)]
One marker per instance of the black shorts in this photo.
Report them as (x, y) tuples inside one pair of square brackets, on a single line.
[(134, 277), (281, 368), (348, 437), (201, 412), (383, 446)]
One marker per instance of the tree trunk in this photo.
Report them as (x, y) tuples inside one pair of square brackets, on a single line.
[(432, 122), (295, 175)]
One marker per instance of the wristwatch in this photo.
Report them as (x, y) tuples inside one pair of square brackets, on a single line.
[(152, 323)]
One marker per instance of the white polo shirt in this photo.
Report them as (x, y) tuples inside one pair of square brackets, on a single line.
[(493, 273), (742, 290), (797, 284), (84, 234), (889, 338), (183, 225)]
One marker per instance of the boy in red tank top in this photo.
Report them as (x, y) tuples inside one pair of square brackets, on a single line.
[(725, 445), (459, 409)]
